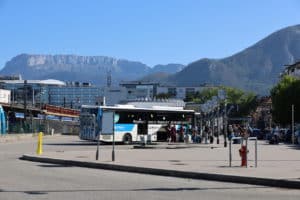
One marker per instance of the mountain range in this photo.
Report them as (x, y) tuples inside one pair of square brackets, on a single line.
[(256, 68), (81, 68)]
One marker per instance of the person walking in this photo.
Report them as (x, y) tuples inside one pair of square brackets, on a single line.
[(169, 132), (173, 133)]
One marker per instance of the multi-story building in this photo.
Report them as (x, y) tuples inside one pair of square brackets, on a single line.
[(181, 92), (54, 92), (139, 90), (75, 94), (113, 95), (31, 92)]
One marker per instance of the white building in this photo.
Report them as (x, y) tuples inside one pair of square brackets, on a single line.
[(139, 90), (5, 96), (292, 70)]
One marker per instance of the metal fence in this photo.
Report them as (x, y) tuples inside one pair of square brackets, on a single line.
[(42, 125)]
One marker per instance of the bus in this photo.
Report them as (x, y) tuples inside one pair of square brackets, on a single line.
[(133, 124)]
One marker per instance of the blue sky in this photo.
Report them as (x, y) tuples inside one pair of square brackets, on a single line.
[(150, 31)]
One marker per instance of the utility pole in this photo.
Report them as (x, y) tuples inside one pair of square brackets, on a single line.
[(293, 131), (33, 100), (218, 123), (212, 127), (25, 98), (225, 125), (13, 95)]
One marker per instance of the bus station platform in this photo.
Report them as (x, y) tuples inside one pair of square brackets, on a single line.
[(277, 165)]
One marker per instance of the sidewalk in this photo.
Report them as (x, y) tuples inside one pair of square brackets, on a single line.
[(278, 165), (8, 138)]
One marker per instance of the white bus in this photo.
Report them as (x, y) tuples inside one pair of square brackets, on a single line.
[(131, 124)]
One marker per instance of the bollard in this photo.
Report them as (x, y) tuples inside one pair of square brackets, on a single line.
[(39, 150), (243, 151)]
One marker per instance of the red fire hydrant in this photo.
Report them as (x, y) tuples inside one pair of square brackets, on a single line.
[(243, 153)]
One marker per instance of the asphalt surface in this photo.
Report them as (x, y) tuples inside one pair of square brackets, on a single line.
[(278, 165), (29, 180)]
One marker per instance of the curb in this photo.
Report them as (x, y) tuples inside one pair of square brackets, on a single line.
[(282, 183)]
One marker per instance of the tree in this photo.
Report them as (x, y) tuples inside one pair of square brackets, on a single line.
[(245, 101), (284, 95), (203, 96), (163, 96)]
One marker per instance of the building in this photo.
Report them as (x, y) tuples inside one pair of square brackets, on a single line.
[(30, 92), (53, 92), (176, 103), (5, 96), (113, 95), (292, 70), (74, 94), (139, 90), (149, 90), (181, 92)]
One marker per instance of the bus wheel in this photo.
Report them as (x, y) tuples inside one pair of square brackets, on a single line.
[(127, 139)]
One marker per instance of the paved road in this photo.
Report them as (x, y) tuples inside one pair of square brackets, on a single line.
[(27, 180)]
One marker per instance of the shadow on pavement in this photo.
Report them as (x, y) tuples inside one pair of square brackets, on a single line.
[(54, 165), (79, 144), (72, 144), (296, 146), (161, 189)]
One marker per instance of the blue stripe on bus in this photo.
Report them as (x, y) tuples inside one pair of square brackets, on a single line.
[(124, 127)]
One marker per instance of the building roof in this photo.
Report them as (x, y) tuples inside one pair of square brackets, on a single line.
[(296, 64), (42, 82), (122, 83), (52, 82)]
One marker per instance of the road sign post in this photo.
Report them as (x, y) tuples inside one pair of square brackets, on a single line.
[(108, 124)]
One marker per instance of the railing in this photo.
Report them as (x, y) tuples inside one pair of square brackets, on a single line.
[(246, 139)]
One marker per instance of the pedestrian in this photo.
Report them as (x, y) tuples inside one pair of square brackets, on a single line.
[(206, 131), (169, 132), (181, 133), (173, 133), (276, 135)]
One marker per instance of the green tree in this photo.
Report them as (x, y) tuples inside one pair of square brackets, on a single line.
[(245, 101), (284, 95), (203, 96), (163, 96)]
